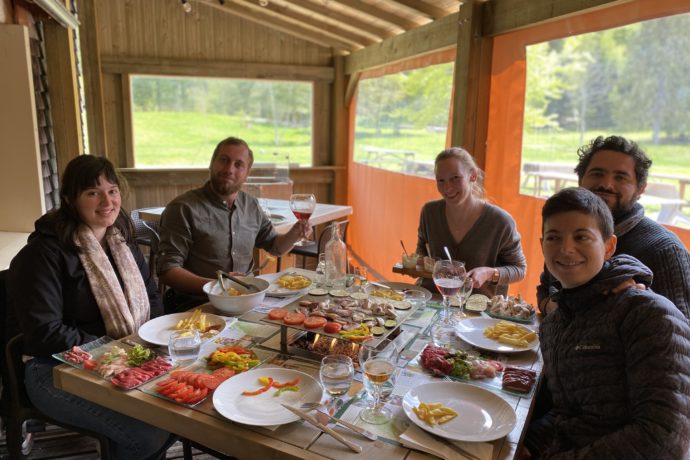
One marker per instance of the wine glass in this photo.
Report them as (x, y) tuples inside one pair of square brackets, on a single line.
[(448, 277), (302, 206), (378, 365), (463, 294)]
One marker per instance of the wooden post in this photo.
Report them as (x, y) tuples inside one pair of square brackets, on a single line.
[(93, 86), (472, 75), (340, 129), (64, 93)]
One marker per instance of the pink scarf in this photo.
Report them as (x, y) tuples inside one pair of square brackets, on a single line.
[(122, 312)]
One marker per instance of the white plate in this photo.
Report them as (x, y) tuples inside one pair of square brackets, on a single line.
[(401, 287), (275, 290), (158, 330), (264, 409), (472, 332), (482, 415)]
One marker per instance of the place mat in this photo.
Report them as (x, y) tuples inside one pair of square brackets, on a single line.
[(418, 439)]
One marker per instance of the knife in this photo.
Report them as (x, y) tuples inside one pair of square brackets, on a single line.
[(366, 433), (303, 415)]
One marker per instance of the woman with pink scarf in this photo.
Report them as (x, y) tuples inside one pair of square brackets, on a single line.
[(81, 276)]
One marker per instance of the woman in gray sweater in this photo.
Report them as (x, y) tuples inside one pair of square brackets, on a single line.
[(478, 233)]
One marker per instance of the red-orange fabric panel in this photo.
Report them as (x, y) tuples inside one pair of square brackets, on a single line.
[(505, 118)]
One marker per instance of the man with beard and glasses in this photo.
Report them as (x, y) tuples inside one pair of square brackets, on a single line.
[(216, 227), (616, 169)]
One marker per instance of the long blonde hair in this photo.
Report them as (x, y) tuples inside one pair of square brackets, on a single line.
[(468, 162)]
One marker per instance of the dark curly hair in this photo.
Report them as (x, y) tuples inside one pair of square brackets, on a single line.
[(81, 173), (617, 144), (581, 200)]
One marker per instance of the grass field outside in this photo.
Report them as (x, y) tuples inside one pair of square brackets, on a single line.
[(168, 139)]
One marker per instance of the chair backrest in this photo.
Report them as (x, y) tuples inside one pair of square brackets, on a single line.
[(15, 367), (325, 235)]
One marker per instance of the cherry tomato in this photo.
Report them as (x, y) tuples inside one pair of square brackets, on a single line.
[(294, 318), (314, 322), (332, 327), (277, 313)]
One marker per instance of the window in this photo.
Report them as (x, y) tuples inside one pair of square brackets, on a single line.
[(630, 81), (402, 119), (179, 121)]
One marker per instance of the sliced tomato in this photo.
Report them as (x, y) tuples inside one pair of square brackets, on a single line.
[(179, 375), (166, 383), (277, 313), (90, 364), (211, 382), (332, 327), (171, 389), (223, 373), (294, 318), (315, 322)]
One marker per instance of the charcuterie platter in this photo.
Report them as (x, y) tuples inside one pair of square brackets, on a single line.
[(126, 366)]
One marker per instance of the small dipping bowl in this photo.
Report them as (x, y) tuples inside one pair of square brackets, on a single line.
[(409, 261)]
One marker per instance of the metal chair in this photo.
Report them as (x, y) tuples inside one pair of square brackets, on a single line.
[(146, 234), (317, 247), (21, 410)]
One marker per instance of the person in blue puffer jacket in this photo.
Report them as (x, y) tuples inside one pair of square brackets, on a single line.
[(617, 364)]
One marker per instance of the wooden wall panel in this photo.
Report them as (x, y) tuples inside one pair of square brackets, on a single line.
[(160, 28)]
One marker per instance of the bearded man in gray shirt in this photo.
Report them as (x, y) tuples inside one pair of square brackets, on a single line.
[(216, 227)]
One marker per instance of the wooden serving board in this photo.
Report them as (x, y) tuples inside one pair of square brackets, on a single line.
[(417, 272)]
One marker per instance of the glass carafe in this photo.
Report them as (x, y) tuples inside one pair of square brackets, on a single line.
[(336, 259)]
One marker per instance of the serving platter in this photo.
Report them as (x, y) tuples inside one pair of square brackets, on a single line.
[(402, 315), (158, 330), (275, 290), (472, 331), (483, 415)]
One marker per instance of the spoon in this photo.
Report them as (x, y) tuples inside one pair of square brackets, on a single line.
[(403, 246), (221, 283), (445, 249), (249, 287)]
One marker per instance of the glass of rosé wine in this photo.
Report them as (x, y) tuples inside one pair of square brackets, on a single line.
[(302, 206)]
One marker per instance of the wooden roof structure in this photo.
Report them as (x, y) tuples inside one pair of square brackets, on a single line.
[(344, 25)]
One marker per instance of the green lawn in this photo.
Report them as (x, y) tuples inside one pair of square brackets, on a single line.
[(175, 138)]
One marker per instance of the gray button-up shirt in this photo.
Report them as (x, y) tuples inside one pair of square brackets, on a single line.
[(200, 233)]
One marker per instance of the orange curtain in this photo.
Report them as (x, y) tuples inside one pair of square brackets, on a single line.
[(504, 140)]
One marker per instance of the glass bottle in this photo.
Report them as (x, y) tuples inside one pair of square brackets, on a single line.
[(336, 259)]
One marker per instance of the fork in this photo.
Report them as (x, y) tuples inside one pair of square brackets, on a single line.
[(324, 417)]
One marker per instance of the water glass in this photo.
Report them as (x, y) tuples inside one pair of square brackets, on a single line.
[(184, 346), (320, 278), (416, 298), (336, 374)]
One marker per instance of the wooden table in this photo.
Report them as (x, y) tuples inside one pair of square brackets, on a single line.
[(294, 440), (323, 213)]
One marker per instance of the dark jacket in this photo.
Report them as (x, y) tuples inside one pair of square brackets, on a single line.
[(618, 367), (657, 248), (51, 295)]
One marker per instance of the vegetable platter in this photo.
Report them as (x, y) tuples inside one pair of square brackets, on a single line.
[(126, 366)]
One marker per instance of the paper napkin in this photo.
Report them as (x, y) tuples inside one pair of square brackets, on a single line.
[(418, 439)]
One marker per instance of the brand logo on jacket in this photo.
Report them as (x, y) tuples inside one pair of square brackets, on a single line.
[(587, 346)]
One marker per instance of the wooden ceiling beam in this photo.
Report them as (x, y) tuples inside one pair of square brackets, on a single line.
[(502, 16), (378, 13), (427, 9), (437, 35), (330, 27), (289, 27), (215, 68), (377, 32)]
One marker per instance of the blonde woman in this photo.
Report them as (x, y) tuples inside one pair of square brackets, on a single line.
[(476, 232)]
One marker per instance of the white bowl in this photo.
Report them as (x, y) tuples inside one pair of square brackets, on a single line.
[(236, 304)]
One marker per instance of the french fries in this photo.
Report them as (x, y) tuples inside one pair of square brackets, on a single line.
[(510, 334), (434, 413), (294, 281), (196, 321), (388, 294)]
